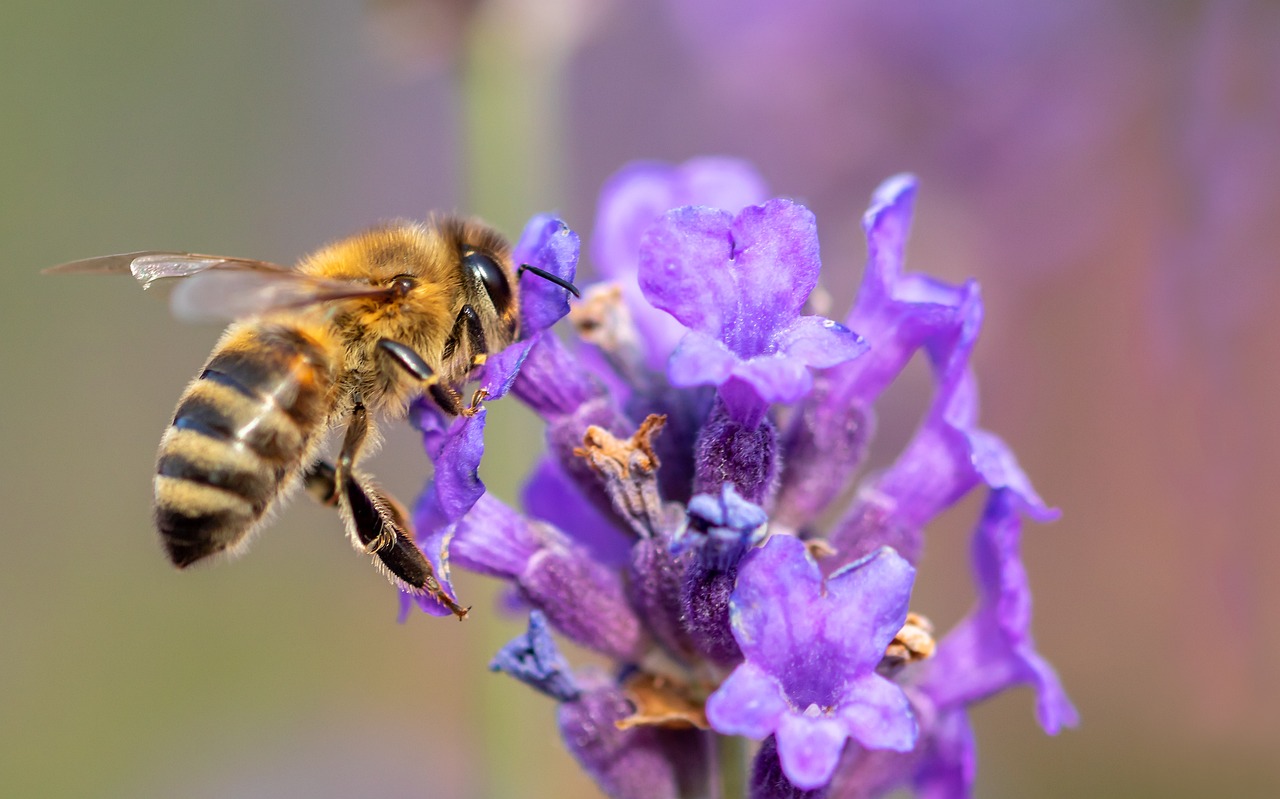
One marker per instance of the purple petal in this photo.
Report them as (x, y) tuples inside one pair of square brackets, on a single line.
[(887, 223), (552, 381), (809, 749), (777, 585), (699, 360), (493, 539), (457, 478), (683, 259), (740, 280), (768, 781), (502, 368), (993, 649), (748, 703), (999, 469), (948, 456), (775, 265), (876, 712), (550, 245), (632, 200), (820, 343), (869, 602), (775, 378), (455, 445), (813, 639)]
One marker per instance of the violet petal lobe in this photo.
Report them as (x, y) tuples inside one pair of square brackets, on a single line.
[(683, 258), (550, 245), (809, 748), (455, 446), (700, 359), (819, 342), (750, 703), (768, 781), (877, 714), (870, 598), (992, 649)]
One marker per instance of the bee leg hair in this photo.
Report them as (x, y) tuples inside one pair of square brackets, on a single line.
[(376, 523), (466, 323)]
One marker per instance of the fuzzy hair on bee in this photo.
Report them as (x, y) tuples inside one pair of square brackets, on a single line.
[(357, 330)]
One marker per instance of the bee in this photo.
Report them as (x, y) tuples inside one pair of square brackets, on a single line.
[(356, 330)]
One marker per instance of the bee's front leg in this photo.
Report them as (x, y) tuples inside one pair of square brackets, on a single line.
[(445, 396)]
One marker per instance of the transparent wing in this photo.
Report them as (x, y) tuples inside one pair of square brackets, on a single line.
[(149, 266), (217, 287), (222, 295)]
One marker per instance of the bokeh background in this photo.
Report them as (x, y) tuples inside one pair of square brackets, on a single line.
[(1108, 170)]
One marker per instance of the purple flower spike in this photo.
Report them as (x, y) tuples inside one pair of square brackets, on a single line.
[(811, 651), (992, 649), (738, 284), (534, 660), (635, 198)]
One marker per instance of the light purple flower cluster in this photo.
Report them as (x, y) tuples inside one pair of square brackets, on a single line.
[(699, 428)]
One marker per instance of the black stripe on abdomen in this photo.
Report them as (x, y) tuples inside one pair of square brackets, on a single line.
[(254, 486)]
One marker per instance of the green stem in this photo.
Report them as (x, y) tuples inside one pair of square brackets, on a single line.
[(731, 757), (512, 143)]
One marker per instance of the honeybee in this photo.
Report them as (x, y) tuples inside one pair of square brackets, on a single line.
[(360, 328)]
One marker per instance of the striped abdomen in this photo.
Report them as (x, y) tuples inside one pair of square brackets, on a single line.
[(239, 435)]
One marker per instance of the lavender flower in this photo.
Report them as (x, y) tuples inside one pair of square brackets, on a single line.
[(812, 648), (674, 525)]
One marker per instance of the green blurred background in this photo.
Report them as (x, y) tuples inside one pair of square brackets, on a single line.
[(266, 129)]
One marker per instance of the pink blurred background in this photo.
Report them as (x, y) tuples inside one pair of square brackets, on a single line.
[(1108, 171)]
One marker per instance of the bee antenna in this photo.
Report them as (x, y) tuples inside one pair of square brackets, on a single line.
[(545, 275)]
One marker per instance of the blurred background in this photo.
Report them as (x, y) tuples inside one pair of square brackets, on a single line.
[(1107, 170)]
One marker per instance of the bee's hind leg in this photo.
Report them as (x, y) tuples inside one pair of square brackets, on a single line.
[(376, 523)]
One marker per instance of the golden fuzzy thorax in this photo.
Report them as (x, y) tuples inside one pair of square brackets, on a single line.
[(423, 318)]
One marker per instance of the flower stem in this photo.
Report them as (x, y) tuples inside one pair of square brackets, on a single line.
[(731, 758)]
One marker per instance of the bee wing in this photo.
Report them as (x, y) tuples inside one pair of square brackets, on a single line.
[(149, 266), (222, 295), (219, 287)]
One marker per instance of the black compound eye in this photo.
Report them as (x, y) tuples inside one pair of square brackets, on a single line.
[(492, 276)]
